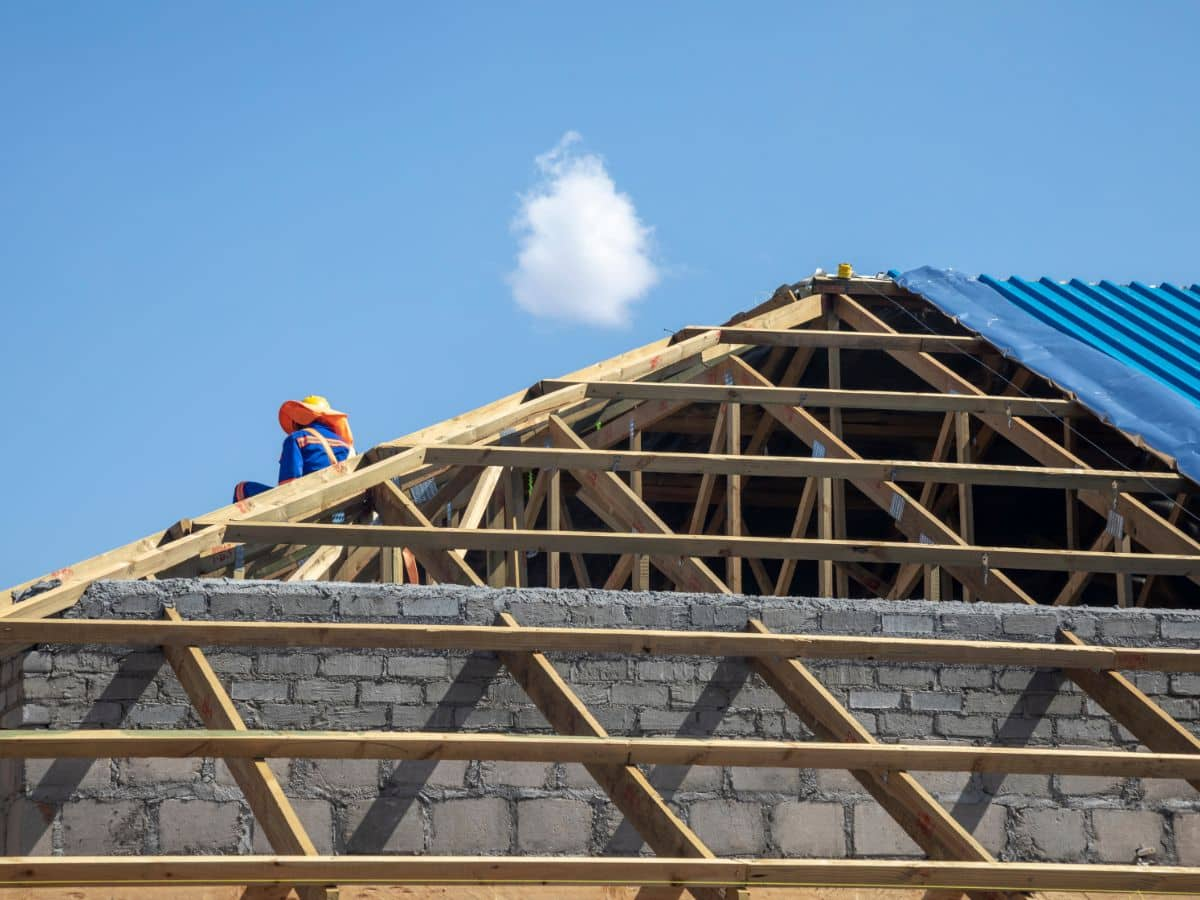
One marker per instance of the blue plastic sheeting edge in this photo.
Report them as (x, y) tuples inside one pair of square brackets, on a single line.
[(1118, 393)]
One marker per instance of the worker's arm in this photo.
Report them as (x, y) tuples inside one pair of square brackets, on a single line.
[(291, 463)]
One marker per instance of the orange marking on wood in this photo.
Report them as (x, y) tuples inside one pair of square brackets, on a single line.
[(654, 362)]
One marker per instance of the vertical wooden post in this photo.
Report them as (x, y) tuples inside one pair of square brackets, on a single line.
[(554, 523), (1068, 443), (391, 565), (838, 486), (733, 494), (1125, 579), (497, 560), (641, 562), (514, 518), (966, 505), (825, 584)]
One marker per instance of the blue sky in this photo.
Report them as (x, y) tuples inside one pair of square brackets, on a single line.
[(210, 208)]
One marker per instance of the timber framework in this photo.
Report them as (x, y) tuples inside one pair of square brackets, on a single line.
[(844, 439)]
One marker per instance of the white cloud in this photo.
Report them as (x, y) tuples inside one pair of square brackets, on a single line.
[(584, 254)]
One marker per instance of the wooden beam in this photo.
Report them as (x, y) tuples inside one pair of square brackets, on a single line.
[(966, 504), (606, 490), (837, 487), (822, 397), (845, 340), (318, 566), (459, 870), (626, 786), (1079, 580), (271, 808), (554, 523), (733, 495), (634, 641), (669, 545), (578, 747), (1173, 519), (481, 496), (707, 479), (804, 510), (750, 465), (443, 563)]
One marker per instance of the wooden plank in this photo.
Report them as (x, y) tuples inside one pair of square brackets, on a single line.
[(822, 397), (733, 495), (635, 641), (1078, 580), (272, 810), (318, 566), (966, 505), (442, 563), (514, 517), (707, 479), (963, 557), (626, 786), (578, 566), (715, 463), (845, 340), (461, 870), (606, 489), (355, 563), (804, 510), (554, 523), (640, 572), (481, 496), (582, 748), (837, 487), (906, 578)]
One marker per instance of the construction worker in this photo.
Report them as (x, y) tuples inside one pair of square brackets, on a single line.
[(317, 437)]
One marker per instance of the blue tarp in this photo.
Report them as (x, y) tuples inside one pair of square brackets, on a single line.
[(1129, 399)]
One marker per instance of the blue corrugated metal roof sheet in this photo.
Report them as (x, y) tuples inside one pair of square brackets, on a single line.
[(1155, 330), (1130, 353)]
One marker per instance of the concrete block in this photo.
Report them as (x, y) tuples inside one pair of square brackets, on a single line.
[(903, 725), (954, 677), (1187, 839), (1169, 791), (317, 818), (1083, 731), (287, 664), (964, 726), (357, 665), (320, 690), (906, 677), (259, 690), (1052, 704), (306, 605), (372, 605), (1120, 833), (791, 620), (482, 826), (1121, 629), (384, 825), (848, 621), (936, 701), (1185, 685), (372, 718), (1186, 629), (837, 782), (969, 626), (388, 692), (1030, 624), (947, 785), (551, 826), (283, 715), (729, 827), (102, 827), (845, 674), (815, 830), (516, 774), (907, 624), (1016, 786), (407, 774), (668, 670), (419, 667), (199, 826), (158, 771), (158, 716), (775, 781), (52, 781), (1056, 835), (640, 694), (37, 662), (431, 606), (339, 776), (686, 779), (224, 778), (1089, 785), (874, 699), (30, 828), (877, 834), (986, 822)]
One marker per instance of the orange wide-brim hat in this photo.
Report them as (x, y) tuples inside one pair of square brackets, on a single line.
[(294, 414)]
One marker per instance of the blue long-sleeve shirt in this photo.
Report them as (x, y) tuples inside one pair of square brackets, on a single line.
[(303, 452)]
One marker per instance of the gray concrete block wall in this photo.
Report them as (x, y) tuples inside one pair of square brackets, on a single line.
[(366, 806)]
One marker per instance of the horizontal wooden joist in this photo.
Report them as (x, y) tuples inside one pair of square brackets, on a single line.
[(355, 869), (630, 641), (978, 404), (802, 467), (110, 743), (662, 545), (845, 340)]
